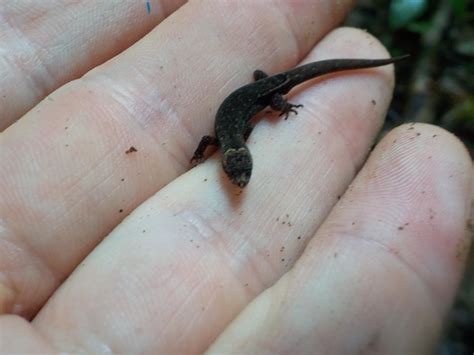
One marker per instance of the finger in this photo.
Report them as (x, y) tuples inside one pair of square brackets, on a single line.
[(17, 336), (196, 253), (68, 171), (384, 266), (45, 44)]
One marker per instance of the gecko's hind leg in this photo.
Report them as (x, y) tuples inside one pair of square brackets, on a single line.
[(279, 103), (206, 141), (248, 130), (259, 74)]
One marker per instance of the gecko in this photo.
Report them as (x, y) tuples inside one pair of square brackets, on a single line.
[(233, 119)]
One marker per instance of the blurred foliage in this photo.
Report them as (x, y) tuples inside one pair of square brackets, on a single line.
[(458, 337), (404, 12), (434, 86)]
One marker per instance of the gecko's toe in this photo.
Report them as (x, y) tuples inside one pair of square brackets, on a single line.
[(196, 160)]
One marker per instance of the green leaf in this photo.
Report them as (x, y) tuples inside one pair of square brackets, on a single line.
[(402, 12), (459, 8), (466, 48), (420, 27)]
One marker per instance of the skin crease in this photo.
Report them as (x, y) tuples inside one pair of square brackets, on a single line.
[(285, 266)]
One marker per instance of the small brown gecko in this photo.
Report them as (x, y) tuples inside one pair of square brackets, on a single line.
[(233, 126)]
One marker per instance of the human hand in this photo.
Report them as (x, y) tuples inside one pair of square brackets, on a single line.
[(283, 266)]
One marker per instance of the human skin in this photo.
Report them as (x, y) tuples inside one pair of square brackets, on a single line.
[(330, 249)]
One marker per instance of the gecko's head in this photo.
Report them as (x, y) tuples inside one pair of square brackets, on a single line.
[(237, 164)]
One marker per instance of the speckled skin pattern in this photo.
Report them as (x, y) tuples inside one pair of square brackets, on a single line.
[(233, 126)]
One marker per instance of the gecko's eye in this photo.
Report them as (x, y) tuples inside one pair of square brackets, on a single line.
[(237, 164)]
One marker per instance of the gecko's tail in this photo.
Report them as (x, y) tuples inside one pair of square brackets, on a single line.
[(323, 67)]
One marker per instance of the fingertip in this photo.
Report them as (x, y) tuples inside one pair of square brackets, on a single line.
[(424, 175), (354, 41)]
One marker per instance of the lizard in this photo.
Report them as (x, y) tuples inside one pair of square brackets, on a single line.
[(233, 125)]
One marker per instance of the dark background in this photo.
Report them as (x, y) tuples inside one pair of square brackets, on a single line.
[(436, 85)]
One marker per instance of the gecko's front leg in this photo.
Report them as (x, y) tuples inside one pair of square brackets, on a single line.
[(206, 141)]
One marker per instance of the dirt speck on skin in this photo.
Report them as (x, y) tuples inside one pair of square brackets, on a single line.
[(470, 227), (463, 245), (284, 220), (394, 251), (132, 149), (372, 346), (461, 250)]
